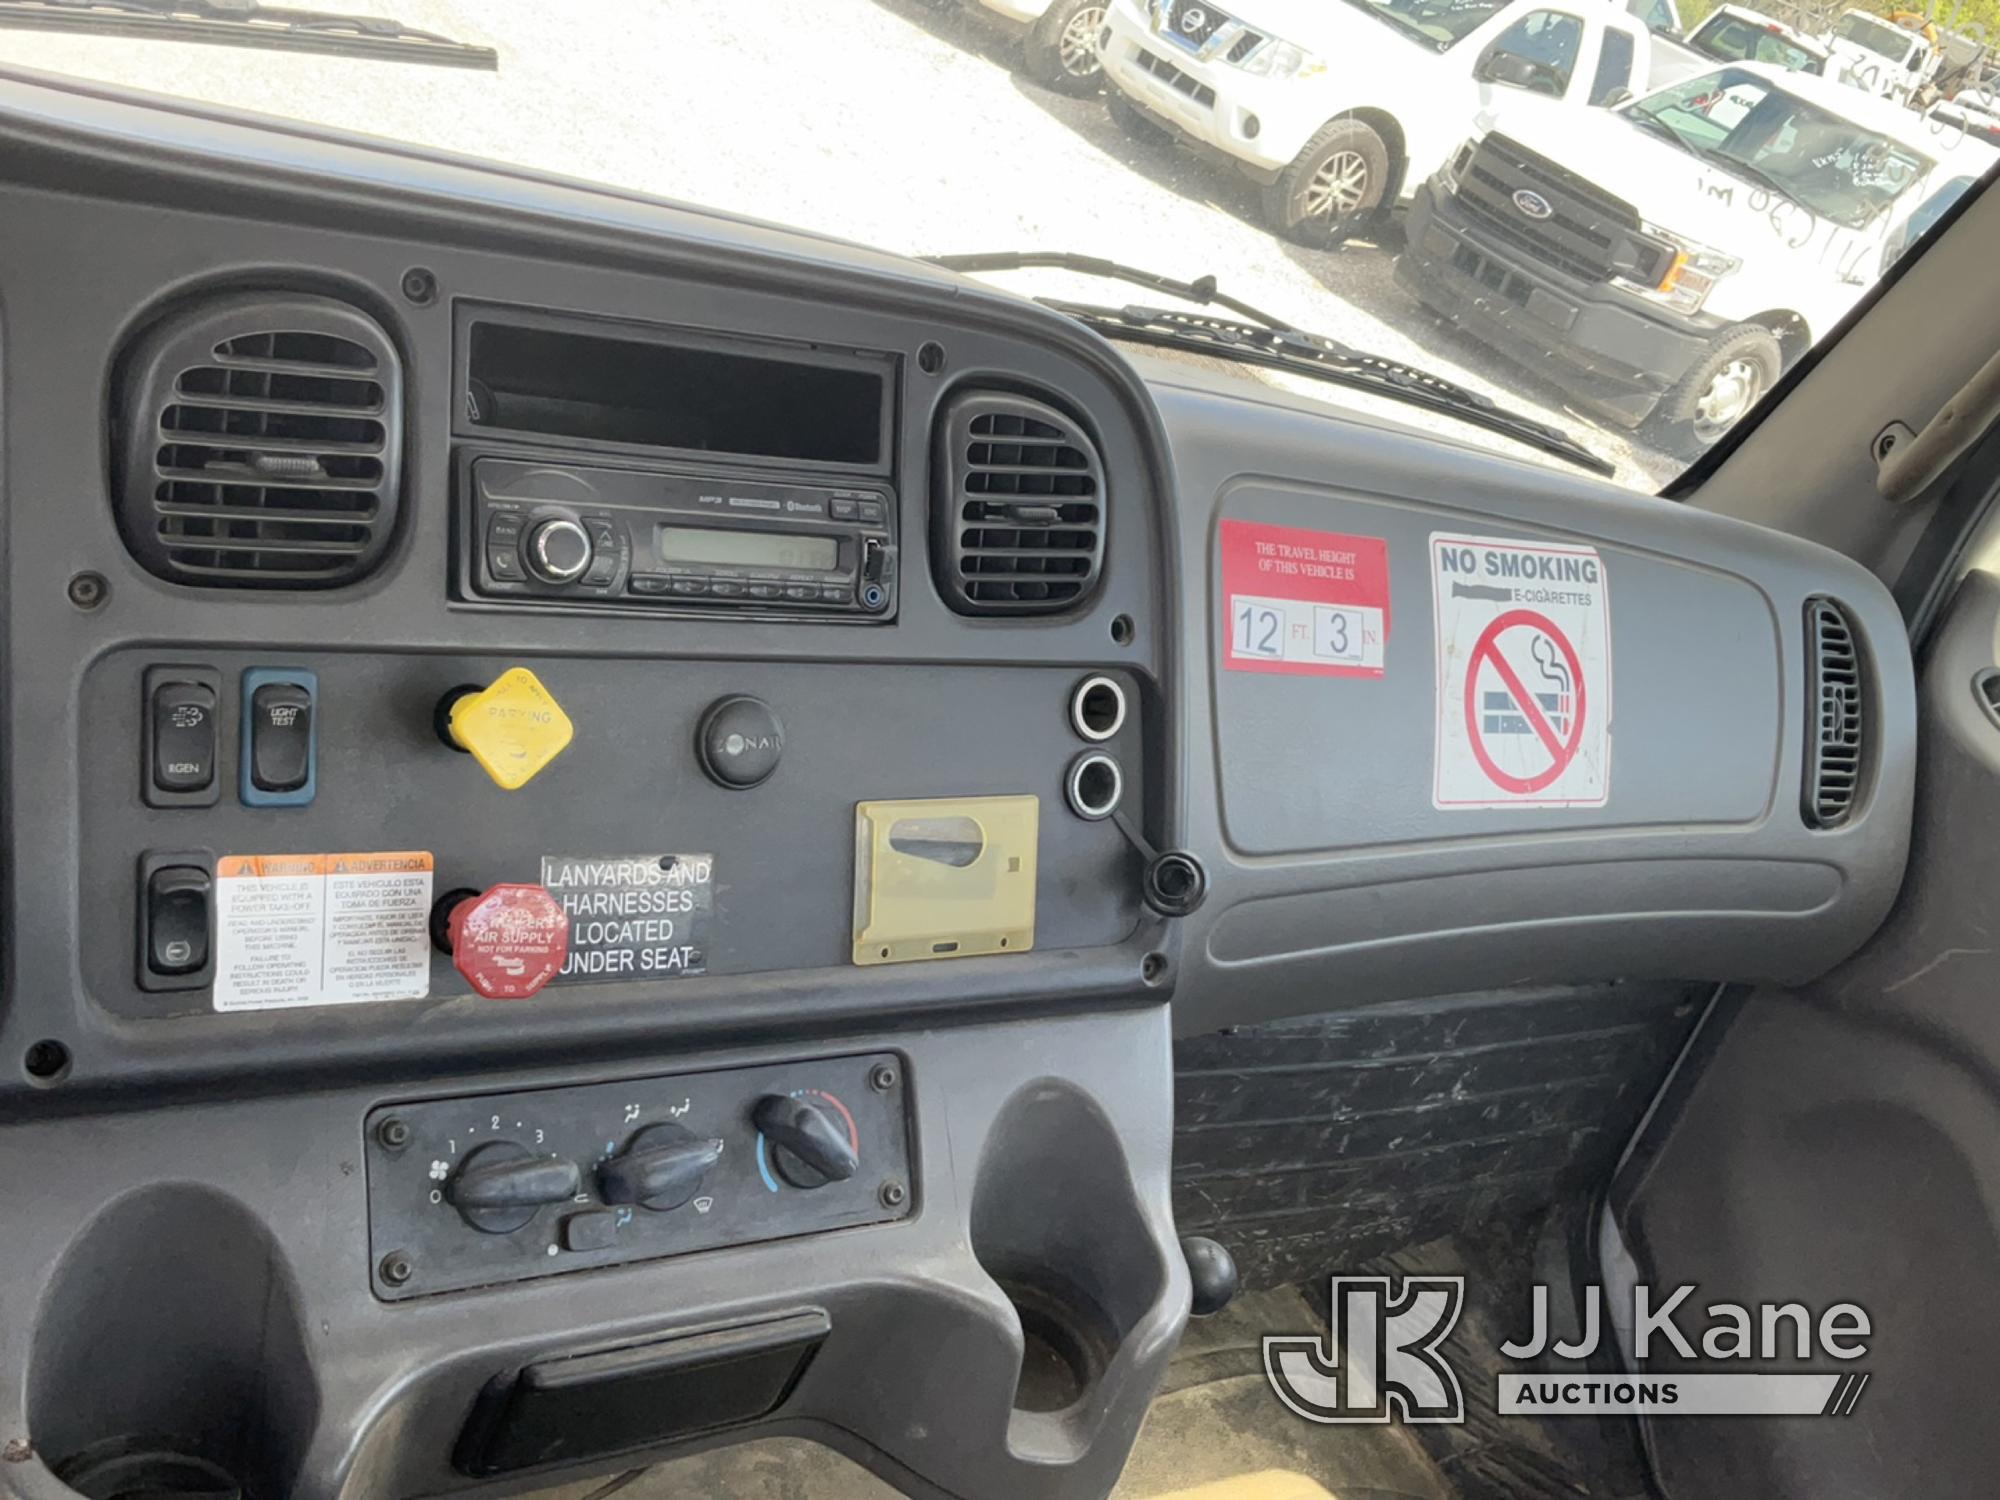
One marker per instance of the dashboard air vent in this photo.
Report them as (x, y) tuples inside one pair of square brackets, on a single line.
[(1837, 728), (260, 443), (1017, 524)]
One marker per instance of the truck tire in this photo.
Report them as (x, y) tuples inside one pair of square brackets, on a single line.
[(1332, 186), (1134, 122), (1732, 374), (1062, 47)]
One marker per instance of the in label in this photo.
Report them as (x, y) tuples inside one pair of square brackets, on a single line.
[(321, 929), (633, 916), (1314, 603), (1523, 674)]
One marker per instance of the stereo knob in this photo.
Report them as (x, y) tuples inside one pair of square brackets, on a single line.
[(559, 551)]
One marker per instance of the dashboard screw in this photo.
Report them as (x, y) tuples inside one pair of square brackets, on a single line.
[(393, 1133), (882, 1078), (420, 286), (88, 590), (893, 1194), (396, 1268)]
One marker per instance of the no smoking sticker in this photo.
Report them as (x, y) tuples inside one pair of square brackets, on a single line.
[(1523, 674), (1309, 602)]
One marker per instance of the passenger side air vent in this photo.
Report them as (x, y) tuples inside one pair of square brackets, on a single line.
[(260, 444), (1837, 728), (1017, 518)]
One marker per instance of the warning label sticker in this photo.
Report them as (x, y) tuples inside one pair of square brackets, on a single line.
[(1523, 674), (1303, 601), (633, 916), (321, 929)]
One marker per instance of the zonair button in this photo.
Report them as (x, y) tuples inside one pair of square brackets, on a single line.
[(739, 741)]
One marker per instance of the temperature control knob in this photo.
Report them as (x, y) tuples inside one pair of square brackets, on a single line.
[(809, 1147), (660, 1168), (559, 551), (503, 1185)]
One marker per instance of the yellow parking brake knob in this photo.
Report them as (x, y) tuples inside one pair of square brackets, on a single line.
[(513, 728)]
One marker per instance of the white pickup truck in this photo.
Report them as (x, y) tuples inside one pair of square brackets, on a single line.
[(1665, 264), (1339, 107), (1881, 56), (1735, 33)]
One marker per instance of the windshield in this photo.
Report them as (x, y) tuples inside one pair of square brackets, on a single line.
[(1442, 23), (1878, 37), (1824, 163), (1734, 39), (1464, 223)]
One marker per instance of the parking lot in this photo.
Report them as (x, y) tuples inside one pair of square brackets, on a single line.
[(899, 123)]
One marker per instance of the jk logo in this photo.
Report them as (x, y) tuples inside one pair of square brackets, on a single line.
[(1383, 1361)]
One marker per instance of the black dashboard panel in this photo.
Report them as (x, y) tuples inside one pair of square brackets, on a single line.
[(245, 1155)]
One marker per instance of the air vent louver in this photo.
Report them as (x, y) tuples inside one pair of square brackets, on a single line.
[(1017, 524), (1836, 728), (261, 444)]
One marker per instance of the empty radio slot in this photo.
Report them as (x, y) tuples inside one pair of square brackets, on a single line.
[(682, 391)]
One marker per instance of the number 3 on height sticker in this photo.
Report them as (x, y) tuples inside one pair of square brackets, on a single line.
[(1311, 603)]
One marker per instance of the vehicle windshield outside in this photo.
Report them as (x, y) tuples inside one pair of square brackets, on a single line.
[(1733, 39), (1515, 224), (1828, 165), (1443, 23), (1880, 37)]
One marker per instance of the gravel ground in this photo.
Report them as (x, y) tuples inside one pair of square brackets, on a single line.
[(897, 123)]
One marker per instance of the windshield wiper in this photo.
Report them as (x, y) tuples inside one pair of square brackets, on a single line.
[(1201, 291), (1660, 128), (244, 23), (1325, 359)]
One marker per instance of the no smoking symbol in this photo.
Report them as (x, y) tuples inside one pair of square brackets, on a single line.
[(1557, 660)]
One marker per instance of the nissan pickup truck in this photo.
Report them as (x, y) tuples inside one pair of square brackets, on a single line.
[(1668, 264), (1338, 109)]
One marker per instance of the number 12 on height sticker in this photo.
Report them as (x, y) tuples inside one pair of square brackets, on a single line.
[(1307, 602)]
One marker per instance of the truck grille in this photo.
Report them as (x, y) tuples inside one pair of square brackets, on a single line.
[(1191, 22), (1588, 233), (1174, 78)]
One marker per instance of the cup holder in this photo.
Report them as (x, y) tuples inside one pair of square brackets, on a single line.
[(168, 1362), (1056, 1223), (146, 1469)]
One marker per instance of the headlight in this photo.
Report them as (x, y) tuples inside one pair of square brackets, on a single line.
[(1689, 275), (1278, 58)]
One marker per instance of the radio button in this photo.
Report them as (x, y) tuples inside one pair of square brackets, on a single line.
[(503, 561), (798, 591), (649, 583), (841, 510), (835, 595), (725, 588), (504, 527), (765, 591), (871, 512), (689, 585)]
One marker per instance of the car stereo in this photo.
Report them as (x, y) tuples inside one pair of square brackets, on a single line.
[(701, 538)]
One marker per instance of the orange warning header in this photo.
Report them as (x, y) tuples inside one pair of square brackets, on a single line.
[(292, 866)]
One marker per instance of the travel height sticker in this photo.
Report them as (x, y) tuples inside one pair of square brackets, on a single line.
[(1314, 603), (1523, 674)]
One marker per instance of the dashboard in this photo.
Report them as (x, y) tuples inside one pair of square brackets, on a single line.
[(611, 812)]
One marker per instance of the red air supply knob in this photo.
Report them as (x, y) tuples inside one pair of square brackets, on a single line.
[(509, 942)]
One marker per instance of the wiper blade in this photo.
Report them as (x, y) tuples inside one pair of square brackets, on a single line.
[(1201, 291), (244, 23), (1326, 359)]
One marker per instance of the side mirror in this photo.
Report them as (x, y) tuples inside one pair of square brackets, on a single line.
[(1510, 68), (1617, 97)]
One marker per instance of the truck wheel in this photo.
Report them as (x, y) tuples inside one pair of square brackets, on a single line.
[(1134, 121), (1736, 369), (1062, 46), (1332, 185)]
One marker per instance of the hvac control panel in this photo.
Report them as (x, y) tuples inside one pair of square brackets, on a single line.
[(507, 1187)]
